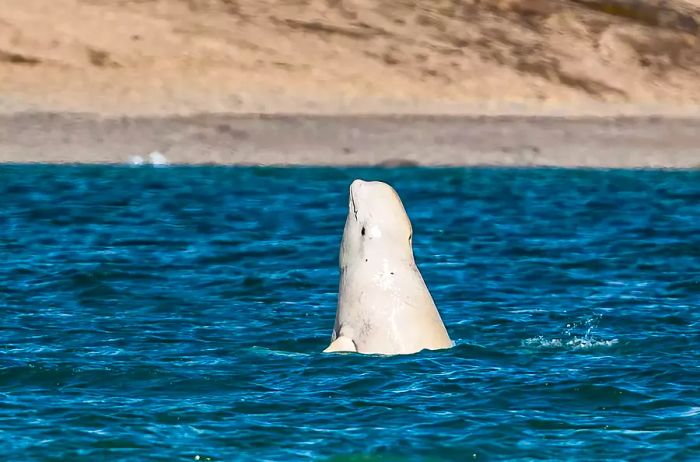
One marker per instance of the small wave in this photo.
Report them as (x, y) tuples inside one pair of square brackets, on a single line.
[(575, 343), (136, 160), (155, 158), (575, 335), (475, 351), (264, 351), (692, 412)]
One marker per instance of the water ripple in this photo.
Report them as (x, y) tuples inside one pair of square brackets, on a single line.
[(179, 314)]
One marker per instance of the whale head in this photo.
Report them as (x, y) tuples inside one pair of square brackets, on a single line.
[(377, 224)]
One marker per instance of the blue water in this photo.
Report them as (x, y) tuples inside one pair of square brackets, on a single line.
[(179, 314)]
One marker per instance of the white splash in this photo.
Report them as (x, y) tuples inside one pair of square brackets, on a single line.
[(157, 159), (136, 160), (576, 335), (576, 343)]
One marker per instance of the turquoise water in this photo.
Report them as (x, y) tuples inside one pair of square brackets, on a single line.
[(179, 314)]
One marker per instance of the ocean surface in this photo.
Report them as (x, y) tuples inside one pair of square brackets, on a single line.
[(180, 313)]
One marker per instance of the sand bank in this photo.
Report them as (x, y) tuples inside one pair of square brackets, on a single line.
[(626, 142)]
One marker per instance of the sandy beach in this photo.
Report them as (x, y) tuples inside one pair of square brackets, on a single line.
[(595, 83), (353, 140)]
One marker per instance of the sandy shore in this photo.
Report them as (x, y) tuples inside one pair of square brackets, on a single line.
[(596, 83), (353, 140)]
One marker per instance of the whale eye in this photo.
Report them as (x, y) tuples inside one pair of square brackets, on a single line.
[(363, 230)]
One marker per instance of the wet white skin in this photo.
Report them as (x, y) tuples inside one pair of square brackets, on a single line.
[(384, 306)]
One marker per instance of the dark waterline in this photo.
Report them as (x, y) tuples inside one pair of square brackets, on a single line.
[(179, 314)]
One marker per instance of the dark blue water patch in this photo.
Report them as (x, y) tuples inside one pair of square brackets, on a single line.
[(179, 314)]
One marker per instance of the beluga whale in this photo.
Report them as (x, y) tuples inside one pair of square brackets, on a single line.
[(384, 306)]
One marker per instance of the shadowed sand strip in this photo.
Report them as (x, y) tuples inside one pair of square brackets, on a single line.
[(626, 142)]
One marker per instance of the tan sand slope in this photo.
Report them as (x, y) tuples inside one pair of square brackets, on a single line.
[(321, 56)]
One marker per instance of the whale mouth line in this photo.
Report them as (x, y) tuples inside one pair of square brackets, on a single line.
[(354, 207)]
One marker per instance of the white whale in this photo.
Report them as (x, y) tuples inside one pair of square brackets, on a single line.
[(384, 306)]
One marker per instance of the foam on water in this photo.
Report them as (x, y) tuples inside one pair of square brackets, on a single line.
[(577, 335), (575, 343)]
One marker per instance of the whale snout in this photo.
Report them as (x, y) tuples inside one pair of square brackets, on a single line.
[(374, 198), (356, 186), (361, 191)]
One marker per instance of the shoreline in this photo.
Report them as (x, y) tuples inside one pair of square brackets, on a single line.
[(628, 141)]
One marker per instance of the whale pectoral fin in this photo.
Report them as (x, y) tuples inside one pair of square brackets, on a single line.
[(341, 344)]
